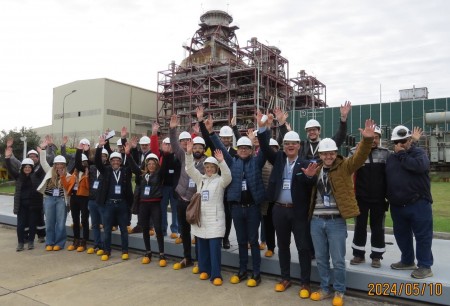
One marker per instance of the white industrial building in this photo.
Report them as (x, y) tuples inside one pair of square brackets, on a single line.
[(86, 108)]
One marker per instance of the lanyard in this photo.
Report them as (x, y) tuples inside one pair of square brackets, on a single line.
[(98, 174), (324, 179), (147, 177), (313, 152), (289, 167), (117, 176)]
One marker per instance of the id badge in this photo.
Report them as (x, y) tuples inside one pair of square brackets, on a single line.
[(95, 186), (117, 189), (244, 185), (286, 184), (171, 171), (75, 187), (56, 192), (326, 200), (205, 195), (313, 161), (147, 190), (191, 183)]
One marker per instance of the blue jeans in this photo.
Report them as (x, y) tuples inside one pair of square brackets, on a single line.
[(96, 220), (328, 236), (209, 256), (246, 223), (414, 218), (111, 212), (169, 194), (55, 221)]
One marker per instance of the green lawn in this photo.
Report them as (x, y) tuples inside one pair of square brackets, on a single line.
[(441, 206)]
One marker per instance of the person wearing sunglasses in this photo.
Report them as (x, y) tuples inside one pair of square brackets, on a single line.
[(409, 195)]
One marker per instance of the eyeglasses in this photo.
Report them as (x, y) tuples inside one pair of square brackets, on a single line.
[(330, 153), (403, 132), (402, 141), (312, 130), (244, 148)]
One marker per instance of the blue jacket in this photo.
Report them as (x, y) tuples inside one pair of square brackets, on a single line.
[(407, 176), (253, 174)]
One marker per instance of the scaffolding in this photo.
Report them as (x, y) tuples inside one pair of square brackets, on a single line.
[(227, 80), (308, 91)]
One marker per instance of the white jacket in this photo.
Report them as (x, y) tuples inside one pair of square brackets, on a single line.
[(212, 219), (48, 174)]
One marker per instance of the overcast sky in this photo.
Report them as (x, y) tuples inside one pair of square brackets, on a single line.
[(352, 46)]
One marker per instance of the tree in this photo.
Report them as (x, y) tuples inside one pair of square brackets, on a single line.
[(33, 141)]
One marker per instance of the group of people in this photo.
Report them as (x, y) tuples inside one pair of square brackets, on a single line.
[(301, 187)]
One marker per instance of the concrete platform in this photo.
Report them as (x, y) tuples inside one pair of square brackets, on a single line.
[(375, 283)]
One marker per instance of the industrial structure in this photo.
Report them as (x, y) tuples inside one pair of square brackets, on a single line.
[(229, 80)]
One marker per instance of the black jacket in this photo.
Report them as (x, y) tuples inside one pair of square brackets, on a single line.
[(155, 184)]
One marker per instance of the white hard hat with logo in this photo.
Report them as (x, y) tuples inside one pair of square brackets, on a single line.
[(60, 159), (115, 155), (378, 130), (327, 145), (144, 140), (291, 136), (211, 160), (199, 140), (184, 135), (312, 123), (400, 132), (27, 161), (226, 131), (244, 141)]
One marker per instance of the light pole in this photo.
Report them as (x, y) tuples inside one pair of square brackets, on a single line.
[(64, 103), (24, 139)]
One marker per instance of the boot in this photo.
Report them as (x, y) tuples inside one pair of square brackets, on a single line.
[(82, 245)]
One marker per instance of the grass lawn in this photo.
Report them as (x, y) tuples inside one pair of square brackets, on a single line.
[(7, 189), (441, 208)]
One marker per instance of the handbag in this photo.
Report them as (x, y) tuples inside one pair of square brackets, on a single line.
[(193, 210)]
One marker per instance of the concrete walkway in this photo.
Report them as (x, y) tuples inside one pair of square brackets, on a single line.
[(63, 266)]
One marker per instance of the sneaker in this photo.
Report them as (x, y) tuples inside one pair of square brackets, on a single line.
[(376, 263), (19, 247), (237, 278), (401, 266), (422, 272), (254, 281), (30, 245), (320, 295), (357, 260), (338, 299)]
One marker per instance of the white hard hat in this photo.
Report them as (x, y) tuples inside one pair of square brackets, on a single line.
[(273, 142), (115, 155), (32, 152), (291, 136), (226, 131), (199, 140), (85, 141), (144, 140), (184, 135), (211, 160), (119, 142), (166, 140), (312, 123), (326, 145), (27, 161), (244, 141), (378, 130), (104, 151), (83, 157), (400, 132), (152, 156), (59, 159)]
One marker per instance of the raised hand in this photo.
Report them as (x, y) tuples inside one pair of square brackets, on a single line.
[(250, 134), (233, 121), (269, 120), (8, 152), (218, 155), (134, 142), (155, 128), (369, 129), (189, 146), (311, 169), (173, 121), (345, 109), (280, 115), (417, 133), (127, 148), (44, 143), (49, 139), (200, 113), (288, 126), (9, 142), (123, 132), (64, 140), (196, 128), (258, 117), (80, 146), (101, 141)]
